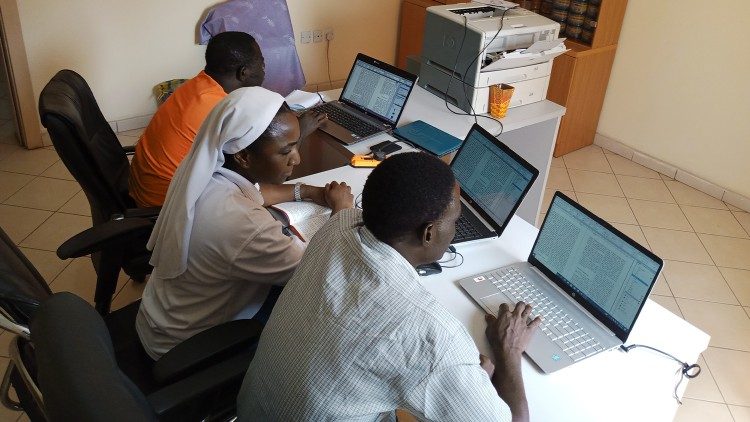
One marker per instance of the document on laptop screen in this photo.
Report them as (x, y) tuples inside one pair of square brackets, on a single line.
[(596, 263), (377, 90), (491, 177)]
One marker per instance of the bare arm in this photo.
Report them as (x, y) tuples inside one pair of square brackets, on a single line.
[(509, 334), (275, 194)]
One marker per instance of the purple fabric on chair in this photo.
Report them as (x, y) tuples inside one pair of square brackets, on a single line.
[(269, 23)]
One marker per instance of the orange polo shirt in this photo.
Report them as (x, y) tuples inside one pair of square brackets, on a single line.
[(168, 138)]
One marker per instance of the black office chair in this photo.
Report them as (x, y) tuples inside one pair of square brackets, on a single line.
[(209, 364), (92, 153)]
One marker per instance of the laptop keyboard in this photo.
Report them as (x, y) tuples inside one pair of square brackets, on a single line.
[(556, 323), (349, 121), (468, 227)]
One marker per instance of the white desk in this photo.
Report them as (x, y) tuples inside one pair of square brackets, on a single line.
[(529, 130), (612, 386)]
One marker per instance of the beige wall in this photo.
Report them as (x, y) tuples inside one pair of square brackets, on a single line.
[(124, 48), (680, 87)]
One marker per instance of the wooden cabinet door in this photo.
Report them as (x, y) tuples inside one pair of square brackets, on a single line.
[(411, 34)]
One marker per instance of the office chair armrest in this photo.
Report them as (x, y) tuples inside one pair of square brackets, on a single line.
[(209, 391), (207, 348), (103, 236), (149, 212), (129, 149)]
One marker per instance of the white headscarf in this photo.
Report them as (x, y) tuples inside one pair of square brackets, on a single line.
[(236, 122)]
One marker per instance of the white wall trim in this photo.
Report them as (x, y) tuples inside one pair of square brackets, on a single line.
[(672, 171)]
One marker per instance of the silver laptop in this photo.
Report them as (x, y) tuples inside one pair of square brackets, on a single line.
[(494, 180), (371, 102), (585, 279)]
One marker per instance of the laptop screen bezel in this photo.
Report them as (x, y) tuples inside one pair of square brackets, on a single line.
[(499, 228), (621, 334), (384, 66)]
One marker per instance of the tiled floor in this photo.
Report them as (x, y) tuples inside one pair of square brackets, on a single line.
[(704, 242)]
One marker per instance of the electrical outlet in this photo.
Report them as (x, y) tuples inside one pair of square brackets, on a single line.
[(317, 35), (329, 34), (305, 37)]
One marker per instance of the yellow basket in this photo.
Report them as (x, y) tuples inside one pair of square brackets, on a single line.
[(500, 99)]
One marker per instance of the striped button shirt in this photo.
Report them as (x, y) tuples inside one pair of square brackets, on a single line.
[(355, 336)]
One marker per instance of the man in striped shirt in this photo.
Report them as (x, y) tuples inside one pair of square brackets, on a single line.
[(355, 336)]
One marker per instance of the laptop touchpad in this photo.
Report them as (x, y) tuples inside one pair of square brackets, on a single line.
[(491, 304)]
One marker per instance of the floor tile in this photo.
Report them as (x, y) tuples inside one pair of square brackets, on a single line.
[(131, 292), (731, 370), (588, 158), (127, 140), (56, 230), (134, 132), (558, 179), (728, 325), (549, 193), (699, 282), (594, 182), (711, 221), (704, 386), (661, 287), (625, 167), (642, 188), (728, 251), (743, 218), (78, 205), (740, 413), (79, 277), (11, 183), (634, 232), (667, 302), (32, 162), (739, 282), (5, 338), (44, 193), (20, 222), (686, 195), (557, 162), (46, 262), (702, 411), (676, 245), (6, 150), (734, 208), (613, 209), (58, 171), (660, 215), (665, 178)]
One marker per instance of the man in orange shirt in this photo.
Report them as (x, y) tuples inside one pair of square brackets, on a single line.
[(233, 60)]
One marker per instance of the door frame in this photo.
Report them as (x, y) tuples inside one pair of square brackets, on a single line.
[(22, 92)]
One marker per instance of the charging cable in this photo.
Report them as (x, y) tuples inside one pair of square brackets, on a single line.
[(686, 370)]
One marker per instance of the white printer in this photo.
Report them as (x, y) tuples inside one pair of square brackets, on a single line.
[(463, 40)]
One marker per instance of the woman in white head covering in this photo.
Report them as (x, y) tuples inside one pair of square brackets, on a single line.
[(216, 250)]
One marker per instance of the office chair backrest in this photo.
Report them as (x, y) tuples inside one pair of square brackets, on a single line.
[(22, 288), (76, 368), (86, 143)]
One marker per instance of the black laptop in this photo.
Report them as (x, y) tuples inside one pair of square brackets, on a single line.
[(494, 180), (371, 103)]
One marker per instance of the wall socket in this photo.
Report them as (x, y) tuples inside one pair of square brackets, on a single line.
[(305, 37), (315, 36)]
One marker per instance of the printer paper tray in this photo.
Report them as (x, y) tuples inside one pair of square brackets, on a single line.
[(511, 76), (513, 62)]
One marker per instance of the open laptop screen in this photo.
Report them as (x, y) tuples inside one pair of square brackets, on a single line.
[(378, 88), (492, 177), (604, 270)]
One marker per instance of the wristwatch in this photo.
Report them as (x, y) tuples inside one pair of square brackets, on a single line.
[(298, 192)]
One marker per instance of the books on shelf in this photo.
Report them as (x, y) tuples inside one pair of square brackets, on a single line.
[(304, 219)]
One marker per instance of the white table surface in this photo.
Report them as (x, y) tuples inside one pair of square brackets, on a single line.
[(611, 386)]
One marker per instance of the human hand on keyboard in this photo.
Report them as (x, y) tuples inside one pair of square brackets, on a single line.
[(510, 332), (310, 121)]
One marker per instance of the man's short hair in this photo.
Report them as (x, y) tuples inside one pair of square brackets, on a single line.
[(227, 51), (405, 192)]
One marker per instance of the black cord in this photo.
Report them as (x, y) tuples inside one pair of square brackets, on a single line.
[(687, 370), (453, 76), (454, 255), (321, 97)]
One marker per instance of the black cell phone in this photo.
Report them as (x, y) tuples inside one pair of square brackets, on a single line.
[(386, 147)]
